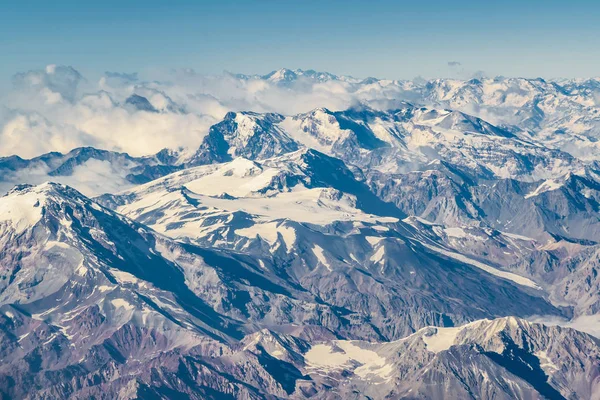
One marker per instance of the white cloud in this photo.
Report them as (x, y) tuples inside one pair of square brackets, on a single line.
[(596, 96), (31, 134), (58, 79), (47, 113), (92, 178), (56, 109), (585, 323)]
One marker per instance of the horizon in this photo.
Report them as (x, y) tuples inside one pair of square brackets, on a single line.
[(155, 75), (387, 39)]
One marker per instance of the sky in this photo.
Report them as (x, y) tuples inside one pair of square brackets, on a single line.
[(381, 38)]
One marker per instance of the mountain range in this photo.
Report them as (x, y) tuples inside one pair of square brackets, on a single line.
[(439, 239)]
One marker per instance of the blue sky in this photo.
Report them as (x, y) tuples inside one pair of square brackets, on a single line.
[(390, 39)]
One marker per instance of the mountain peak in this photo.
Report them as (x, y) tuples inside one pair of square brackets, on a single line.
[(281, 75), (22, 207), (25, 205), (140, 103), (47, 191)]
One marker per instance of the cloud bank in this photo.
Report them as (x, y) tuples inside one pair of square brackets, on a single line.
[(92, 178), (57, 109)]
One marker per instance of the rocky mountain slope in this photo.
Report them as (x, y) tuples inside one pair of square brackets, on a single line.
[(89, 297)]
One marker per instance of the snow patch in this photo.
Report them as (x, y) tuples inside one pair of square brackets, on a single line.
[(126, 277), (122, 303), (545, 362), (21, 210), (546, 186), (518, 237), (373, 240), (442, 339), (320, 254), (521, 280), (345, 355), (270, 232), (378, 255)]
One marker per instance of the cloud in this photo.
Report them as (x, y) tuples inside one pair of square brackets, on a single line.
[(57, 81), (131, 77), (118, 80), (235, 94), (97, 120), (31, 134), (92, 178), (57, 109), (585, 323), (478, 75), (457, 70), (49, 110), (596, 96)]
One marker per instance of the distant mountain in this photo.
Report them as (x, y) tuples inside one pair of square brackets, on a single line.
[(140, 103), (563, 113), (285, 76)]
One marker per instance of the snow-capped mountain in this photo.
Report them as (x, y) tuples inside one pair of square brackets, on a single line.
[(247, 135), (285, 76), (399, 248), (514, 359)]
